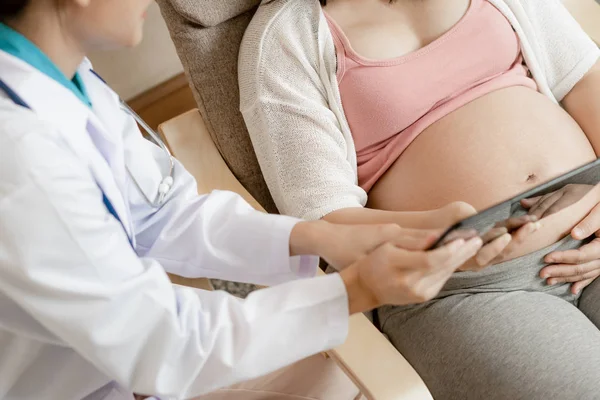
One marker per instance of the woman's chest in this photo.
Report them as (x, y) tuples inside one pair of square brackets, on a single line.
[(382, 98), (380, 30)]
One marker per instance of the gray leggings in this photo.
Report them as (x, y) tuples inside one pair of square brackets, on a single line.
[(501, 333)]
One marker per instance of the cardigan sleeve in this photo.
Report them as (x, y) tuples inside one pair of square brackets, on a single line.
[(566, 53), (297, 138)]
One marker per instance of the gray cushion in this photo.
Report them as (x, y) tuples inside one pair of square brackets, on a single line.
[(212, 12), (209, 55)]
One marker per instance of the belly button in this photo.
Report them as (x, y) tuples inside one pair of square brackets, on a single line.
[(531, 178)]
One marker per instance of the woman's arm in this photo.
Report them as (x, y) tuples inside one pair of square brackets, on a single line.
[(433, 219), (583, 103)]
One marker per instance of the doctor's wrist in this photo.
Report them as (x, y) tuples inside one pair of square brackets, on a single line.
[(360, 298)]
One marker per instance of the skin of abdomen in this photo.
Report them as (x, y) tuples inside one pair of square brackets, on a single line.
[(487, 151)]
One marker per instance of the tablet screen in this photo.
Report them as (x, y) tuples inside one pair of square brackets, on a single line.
[(485, 220)]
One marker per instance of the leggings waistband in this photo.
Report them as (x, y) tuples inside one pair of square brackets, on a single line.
[(518, 274)]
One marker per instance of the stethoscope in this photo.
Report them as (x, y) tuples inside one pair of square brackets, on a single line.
[(167, 181)]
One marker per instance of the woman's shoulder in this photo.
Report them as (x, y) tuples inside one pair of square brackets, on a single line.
[(292, 24), (278, 16), (285, 37)]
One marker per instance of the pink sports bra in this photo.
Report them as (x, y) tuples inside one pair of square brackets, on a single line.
[(388, 103)]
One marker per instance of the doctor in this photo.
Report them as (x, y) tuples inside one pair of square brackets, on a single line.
[(91, 216)]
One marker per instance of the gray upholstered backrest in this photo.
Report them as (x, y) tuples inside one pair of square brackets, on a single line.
[(207, 35)]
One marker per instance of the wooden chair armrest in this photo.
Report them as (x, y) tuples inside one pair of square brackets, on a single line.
[(188, 139), (367, 357), (587, 13), (197, 283)]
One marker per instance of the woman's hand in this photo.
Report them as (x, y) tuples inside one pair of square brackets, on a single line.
[(551, 203), (341, 245), (450, 214), (391, 275), (580, 266)]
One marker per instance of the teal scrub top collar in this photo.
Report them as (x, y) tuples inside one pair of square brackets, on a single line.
[(17, 45)]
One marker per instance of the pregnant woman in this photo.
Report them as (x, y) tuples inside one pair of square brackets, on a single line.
[(403, 111)]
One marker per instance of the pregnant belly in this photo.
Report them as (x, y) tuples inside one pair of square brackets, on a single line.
[(488, 151)]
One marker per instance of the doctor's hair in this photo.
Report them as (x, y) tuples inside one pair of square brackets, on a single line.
[(12, 8)]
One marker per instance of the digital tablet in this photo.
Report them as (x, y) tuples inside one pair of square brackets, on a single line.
[(485, 220)]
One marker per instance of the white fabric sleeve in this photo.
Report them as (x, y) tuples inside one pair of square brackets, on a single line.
[(68, 264), (297, 138), (564, 49), (218, 235)]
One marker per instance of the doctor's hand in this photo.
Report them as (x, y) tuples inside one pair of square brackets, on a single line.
[(341, 245), (391, 275)]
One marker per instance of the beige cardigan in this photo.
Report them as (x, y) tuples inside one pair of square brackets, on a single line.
[(292, 107)]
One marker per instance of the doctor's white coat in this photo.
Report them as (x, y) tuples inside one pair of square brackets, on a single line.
[(82, 313)]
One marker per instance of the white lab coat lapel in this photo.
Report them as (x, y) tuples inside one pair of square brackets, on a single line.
[(106, 126), (107, 120), (76, 123)]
